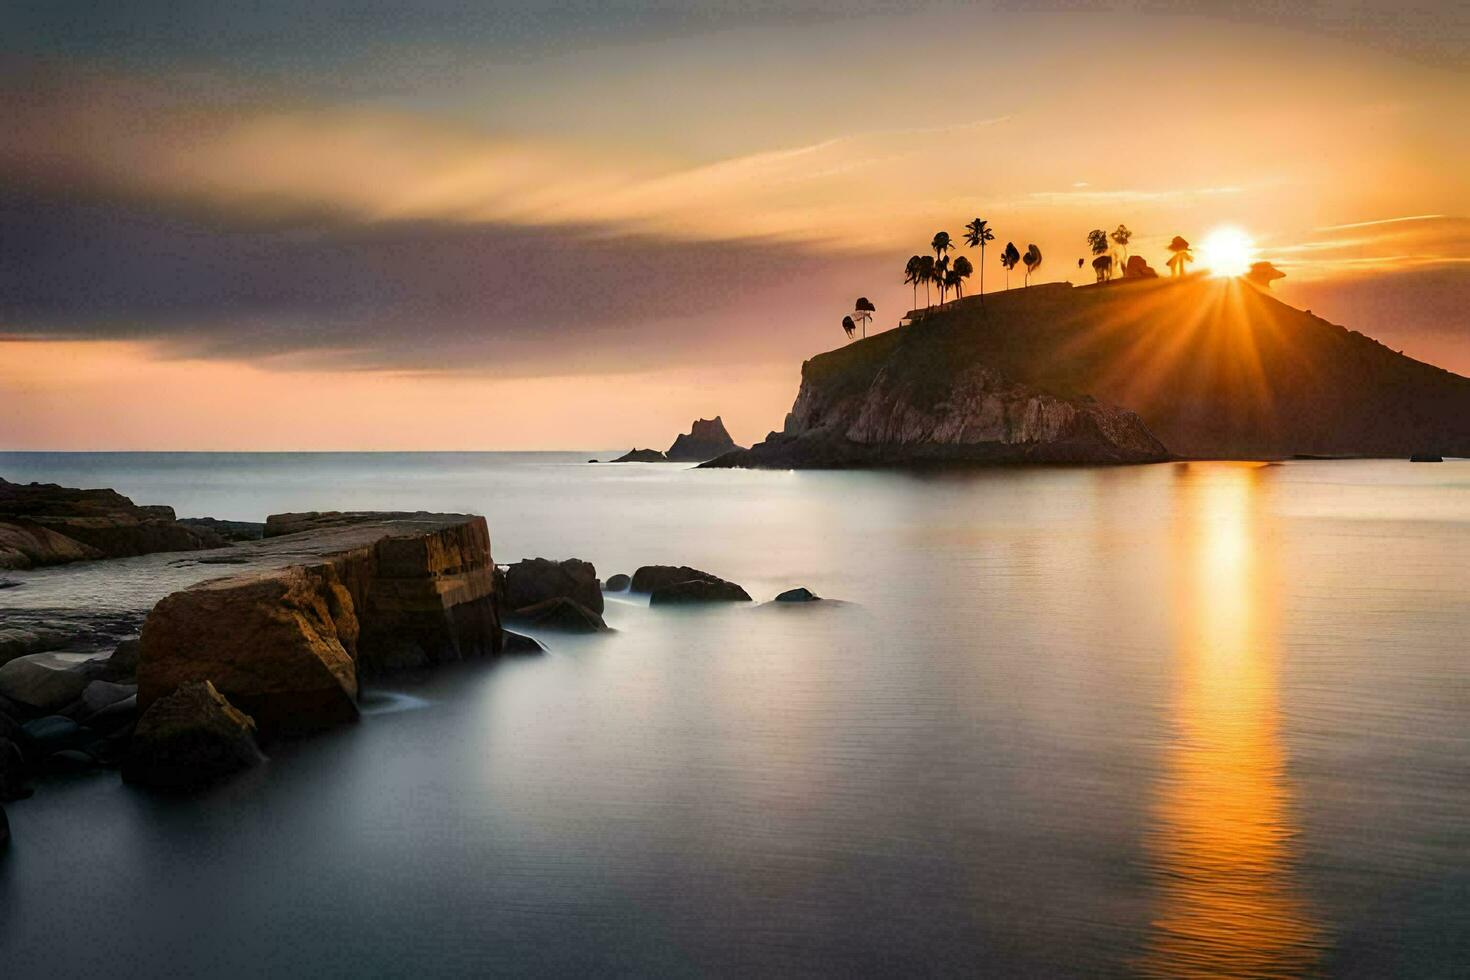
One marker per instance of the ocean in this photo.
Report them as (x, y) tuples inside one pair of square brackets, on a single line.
[(1180, 719)]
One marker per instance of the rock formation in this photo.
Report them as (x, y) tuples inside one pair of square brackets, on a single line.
[(705, 440), (1209, 368), (642, 456), (538, 579), (371, 592), (46, 524), (798, 595), (559, 613), (190, 738), (617, 583), (672, 584)]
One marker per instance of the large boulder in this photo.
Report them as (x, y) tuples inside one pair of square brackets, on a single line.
[(651, 577), (617, 583), (287, 645), (190, 738), (798, 595), (538, 579), (43, 681), (697, 591), (46, 524), (18, 641), (705, 440), (560, 613)]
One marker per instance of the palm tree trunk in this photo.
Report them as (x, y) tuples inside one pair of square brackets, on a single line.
[(982, 272)]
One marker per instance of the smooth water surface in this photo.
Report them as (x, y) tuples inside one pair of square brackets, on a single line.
[(1186, 719)]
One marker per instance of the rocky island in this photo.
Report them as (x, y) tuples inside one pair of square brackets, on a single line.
[(1137, 372), (706, 439)]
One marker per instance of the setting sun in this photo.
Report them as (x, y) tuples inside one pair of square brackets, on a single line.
[(1227, 252)]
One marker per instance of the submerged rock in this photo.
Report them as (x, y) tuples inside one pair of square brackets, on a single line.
[(798, 595), (560, 613), (538, 579), (642, 456), (190, 738), (697, 591), (516, 643), (705, 440), (617, 583), (14, 773)]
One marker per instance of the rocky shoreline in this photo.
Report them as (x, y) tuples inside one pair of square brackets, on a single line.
[(183, 676)]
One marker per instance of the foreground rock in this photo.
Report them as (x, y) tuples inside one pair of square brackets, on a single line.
[(46, 524), (560, 613), (371, 592), (189, 739), (705, 440), (538, 579), (697, 591), (642, 456), (44, 681)]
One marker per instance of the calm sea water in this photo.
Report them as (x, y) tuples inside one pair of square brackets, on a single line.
[(1190, 719)]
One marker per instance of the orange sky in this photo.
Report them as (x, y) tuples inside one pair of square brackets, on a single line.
[(585, 240)]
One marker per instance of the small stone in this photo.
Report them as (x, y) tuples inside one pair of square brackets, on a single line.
[(52, 730), (798, 595)]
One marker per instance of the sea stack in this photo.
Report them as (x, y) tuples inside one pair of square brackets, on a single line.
[(705, 440)]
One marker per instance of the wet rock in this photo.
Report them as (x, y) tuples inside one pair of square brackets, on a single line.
[(798, 595), (538, 579), (14, 773), (116, 716), (189, 739), (697, 591), (99, 694), (43, 681), (50, 732), (69, 760), (124, 659), (651, 577), (560, 613), (617, 583), (19, 641), (520, 643)]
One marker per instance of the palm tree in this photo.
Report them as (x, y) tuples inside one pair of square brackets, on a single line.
[(962, 270), (913, 272), (1097, 241), (926, 272), (1181, 257), (1032, 258), (1009, 256), (941, 244), (864, 310), (1120, 237), (941, 277), (977, 233), (848, 326)]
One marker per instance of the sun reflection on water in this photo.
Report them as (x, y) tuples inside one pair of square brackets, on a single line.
[(1221, 839)]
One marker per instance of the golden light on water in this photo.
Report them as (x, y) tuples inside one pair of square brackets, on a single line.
[(1227, 251), (1221, 840)]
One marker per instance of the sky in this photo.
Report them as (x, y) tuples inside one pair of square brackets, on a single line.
[(459, 225)]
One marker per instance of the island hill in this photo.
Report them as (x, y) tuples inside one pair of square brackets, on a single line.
[(1135, 370)]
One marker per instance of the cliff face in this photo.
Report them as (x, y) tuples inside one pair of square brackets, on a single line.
[(1116, 373)]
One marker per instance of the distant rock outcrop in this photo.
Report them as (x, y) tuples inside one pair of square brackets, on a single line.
[(46, 524), (642, 456), (1209, 368), (705, 440)]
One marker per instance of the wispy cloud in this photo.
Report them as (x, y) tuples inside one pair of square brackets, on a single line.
[(1382, 221)]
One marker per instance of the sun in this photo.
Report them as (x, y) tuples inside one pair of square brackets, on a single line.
[(1227, 251)]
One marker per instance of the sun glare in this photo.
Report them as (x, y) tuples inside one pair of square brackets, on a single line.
[(1227, 252)]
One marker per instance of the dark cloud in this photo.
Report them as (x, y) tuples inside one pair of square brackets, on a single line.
[(408, 295)]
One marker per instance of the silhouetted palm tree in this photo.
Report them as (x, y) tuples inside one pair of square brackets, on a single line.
[(864, 310), (1103, 266), (926, 272), (1032, 258), (941, 276), (941, 244), (1097, 241), (913, 272), (961, 271), (977, 233), (1009, 256), (1181, 257), (1120, 237), (848, 326)]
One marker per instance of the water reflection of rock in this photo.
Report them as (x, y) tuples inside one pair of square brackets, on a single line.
[(1228, 903)]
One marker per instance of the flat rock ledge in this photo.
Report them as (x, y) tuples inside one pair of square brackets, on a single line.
[(368, 592)]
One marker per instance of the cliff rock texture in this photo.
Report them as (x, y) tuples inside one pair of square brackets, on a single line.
[(286, 645), (1205, 368), (46, 524)]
